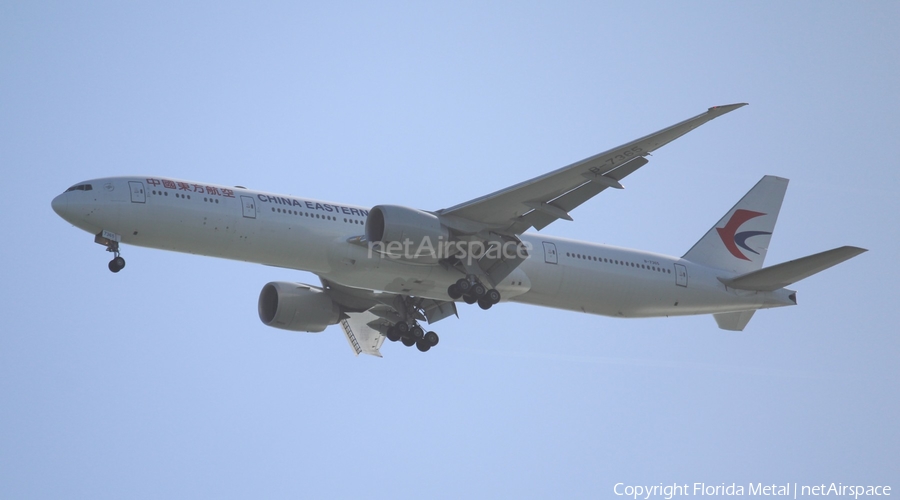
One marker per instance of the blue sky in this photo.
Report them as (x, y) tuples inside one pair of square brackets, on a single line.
[(160, 382)]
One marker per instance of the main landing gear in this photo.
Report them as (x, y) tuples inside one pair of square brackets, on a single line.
[(407, 329), (471, 290), (413, 335)]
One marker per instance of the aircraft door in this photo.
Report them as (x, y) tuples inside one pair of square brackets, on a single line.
[(248, 205), (681, 277), (550, 256), (137, 191)]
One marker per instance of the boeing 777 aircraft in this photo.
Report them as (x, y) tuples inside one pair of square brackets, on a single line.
[(385, 269)]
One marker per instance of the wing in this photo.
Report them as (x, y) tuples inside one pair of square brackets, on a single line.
[(542, 200)]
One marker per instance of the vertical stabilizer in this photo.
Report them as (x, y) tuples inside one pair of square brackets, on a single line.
[(734, 321), (739, 241)]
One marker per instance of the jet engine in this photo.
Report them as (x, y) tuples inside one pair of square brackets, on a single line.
[(406, 233), (297, 307)]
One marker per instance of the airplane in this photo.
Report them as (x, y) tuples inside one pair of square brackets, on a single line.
[(386, 269)]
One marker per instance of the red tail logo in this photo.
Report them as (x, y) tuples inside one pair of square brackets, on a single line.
[(732, 239)]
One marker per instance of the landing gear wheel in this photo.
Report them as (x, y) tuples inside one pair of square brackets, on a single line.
[(392, 334), (117, 264), (417, 332), (485, 303), (432, 338), (408, 341), (493, 296), (469, 299), (402, 328), (463, 285), (422, 345), (453, 292), (479, 290)]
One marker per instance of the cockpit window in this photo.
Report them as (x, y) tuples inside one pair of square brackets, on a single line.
[(80, 187)]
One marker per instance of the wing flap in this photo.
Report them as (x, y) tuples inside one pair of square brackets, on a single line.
[(585, 192), (574, 198), (781, 275)]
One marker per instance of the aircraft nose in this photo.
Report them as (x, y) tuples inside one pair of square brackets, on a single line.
[(60, 205)]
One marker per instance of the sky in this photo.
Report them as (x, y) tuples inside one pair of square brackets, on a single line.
[(161, 382)]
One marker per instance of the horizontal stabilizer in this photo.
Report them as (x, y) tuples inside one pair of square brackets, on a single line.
[(781, 275), (733, 321)]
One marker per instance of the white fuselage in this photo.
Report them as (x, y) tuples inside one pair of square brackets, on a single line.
[(315, 236)]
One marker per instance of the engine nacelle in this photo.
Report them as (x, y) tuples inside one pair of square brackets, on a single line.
[(297, 307), (406, 232)]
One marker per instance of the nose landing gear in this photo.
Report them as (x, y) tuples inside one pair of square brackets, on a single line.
[(111, 241), (117, 264)]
